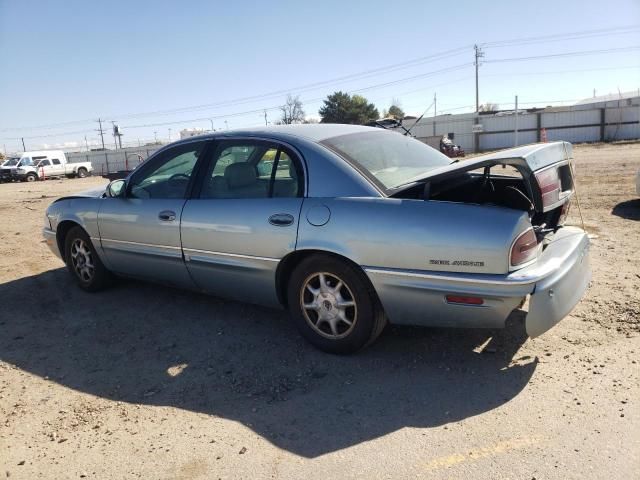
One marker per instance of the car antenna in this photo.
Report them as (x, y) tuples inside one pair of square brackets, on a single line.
[(408, 132)]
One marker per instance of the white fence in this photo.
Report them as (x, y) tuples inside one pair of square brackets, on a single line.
[(498, 130), (113, 160)]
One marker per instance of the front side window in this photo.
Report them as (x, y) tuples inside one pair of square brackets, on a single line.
[(168, 175), (12, 162), (44, 163), (56, 161), (389, 159), (250, 170)]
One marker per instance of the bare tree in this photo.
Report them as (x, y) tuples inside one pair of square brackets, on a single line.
[(292, 111), (489, 107)]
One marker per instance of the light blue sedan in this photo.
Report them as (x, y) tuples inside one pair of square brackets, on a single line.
[(348, 227)]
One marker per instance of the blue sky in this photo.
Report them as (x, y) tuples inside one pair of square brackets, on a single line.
[(66, 63)]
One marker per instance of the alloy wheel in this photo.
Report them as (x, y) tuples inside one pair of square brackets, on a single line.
[(82, 260), (328, 305)]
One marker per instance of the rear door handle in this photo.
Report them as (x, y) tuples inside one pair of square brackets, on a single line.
[(281, 219), (167, 216)]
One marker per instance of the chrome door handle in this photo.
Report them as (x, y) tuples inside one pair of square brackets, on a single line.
[(281, 219), (167, 216)]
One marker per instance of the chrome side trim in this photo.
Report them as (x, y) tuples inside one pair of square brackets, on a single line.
[(140, 244), (188, 251), (448, 278)]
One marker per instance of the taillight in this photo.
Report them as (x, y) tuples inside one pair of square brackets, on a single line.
[(550, 186), (524, 249)]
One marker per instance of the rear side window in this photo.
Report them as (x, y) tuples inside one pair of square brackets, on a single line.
[(56, 161), (44, 163), (245, 169)]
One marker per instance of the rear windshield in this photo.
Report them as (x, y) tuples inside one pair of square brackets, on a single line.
[(388, 159)]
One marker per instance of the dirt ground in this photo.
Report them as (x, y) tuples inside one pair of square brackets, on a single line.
[(143, 381)]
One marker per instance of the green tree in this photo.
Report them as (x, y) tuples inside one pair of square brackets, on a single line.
[(340, 107), (396, 112)]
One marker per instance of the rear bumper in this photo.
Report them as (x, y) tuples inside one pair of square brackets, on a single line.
[(556, 282)]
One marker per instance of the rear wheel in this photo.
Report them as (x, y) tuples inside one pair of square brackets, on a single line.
[(83, 261), (82, 172), (334, 305)]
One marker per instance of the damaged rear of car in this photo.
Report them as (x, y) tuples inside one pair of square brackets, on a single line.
[(547, 260), (479, 237)]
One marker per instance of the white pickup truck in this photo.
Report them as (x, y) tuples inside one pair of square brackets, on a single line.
[(44, 164)]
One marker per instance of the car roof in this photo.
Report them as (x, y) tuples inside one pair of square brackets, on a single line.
[(316, 132)]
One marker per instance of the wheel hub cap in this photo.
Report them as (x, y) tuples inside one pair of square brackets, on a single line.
[(328, 305), (81, 260)]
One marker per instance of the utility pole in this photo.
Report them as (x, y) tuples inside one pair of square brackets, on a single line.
[(478, 54), (155, 136), (169, 135), (226, 124), (265, 118), (212, 129), (86, 143), (23, 147), (106, 156), (516, 126), (434, 113), (101, 133)]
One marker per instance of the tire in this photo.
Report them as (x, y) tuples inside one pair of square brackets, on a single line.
[(32, 177), (338, 318), (82, 172), (83, 262)]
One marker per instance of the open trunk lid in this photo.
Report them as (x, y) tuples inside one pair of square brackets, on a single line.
[(544, 167)]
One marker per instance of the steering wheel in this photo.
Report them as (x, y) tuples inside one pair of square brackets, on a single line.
[(178, 177)]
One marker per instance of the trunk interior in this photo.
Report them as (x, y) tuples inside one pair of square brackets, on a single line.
[(493, 185)]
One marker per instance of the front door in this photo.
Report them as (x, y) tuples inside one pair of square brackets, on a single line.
[(243, 219), (140, 233)]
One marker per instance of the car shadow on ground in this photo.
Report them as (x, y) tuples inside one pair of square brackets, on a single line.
[(629, 209), (152, 345)]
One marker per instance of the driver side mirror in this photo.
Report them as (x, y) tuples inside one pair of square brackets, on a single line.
[(116, 189)]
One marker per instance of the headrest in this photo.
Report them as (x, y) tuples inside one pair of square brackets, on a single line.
[(240, 175)]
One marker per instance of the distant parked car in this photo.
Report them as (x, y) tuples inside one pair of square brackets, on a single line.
[(47, 164), (348, 227), (638, 183)]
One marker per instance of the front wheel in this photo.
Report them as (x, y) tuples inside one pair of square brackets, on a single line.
[(83, 261), (82, 172), (32, 177), (334, 305)]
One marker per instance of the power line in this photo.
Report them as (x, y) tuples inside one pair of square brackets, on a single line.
[(563, 36), (565, 54), (275, 107), (311, 86)]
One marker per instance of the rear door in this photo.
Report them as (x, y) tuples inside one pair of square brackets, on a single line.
[(140, 233), (243, 219)]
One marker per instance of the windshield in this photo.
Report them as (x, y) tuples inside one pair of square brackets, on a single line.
[(11, 162), (389, 159)]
